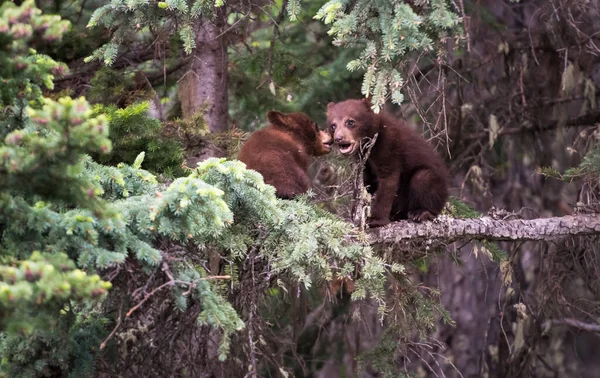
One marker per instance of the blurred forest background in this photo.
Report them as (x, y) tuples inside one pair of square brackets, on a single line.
[(121, 258)]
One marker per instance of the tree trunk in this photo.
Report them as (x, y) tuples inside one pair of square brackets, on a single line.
[(204, 86)]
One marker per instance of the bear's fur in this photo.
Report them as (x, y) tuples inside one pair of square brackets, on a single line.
[(406, 175), (282, 151)]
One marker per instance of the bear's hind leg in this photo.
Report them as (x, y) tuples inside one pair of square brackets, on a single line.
[(427, 195)]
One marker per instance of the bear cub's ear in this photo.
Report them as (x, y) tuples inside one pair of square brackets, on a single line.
[(276, 118), (367, 102), (330, 105)]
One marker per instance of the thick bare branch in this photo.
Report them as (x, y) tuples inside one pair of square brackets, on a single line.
[(449, 229)]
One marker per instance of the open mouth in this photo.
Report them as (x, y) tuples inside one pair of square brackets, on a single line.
[(327, 145), (346, 148)]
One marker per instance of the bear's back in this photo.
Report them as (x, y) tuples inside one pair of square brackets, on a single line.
[(270, 147), (280, 158), (414, 151)]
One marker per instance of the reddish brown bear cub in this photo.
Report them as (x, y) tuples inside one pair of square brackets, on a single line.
[(281, 152), (408, 178)]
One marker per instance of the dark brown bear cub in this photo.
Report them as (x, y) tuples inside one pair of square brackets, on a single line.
[(281, 152), (403, 171)]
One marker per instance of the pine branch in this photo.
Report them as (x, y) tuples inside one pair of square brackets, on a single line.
[(487, 228)]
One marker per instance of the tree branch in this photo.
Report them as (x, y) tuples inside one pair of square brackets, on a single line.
[(589, 119), (359, 215), (449, 229), (577, 324)]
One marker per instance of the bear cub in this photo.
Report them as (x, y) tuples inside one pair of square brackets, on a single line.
[(407, 177), (281, 152)]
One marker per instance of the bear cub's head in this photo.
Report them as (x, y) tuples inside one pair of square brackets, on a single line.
[(351, 122), (302, 127)]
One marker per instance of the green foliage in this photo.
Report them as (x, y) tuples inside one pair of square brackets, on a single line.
[(133, 131), (25, 73), (30, 289), (298, 238), (69, 348), (220, 204), (589, 167), (216, 310), (95, 233), (458, 209), (549, 172), (305, 71), (387, 32), (109, 86), (41, 178), (128, 18), (496, 253), (50, 202), (44, 158)]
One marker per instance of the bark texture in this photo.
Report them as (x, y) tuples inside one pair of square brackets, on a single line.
[(204, 86), (470, 291), (487, 228)]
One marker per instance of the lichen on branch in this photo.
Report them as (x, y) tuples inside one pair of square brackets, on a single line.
[(449, 229)]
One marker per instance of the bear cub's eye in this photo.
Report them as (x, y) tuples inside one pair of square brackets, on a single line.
[(350, 123), (332, 127)]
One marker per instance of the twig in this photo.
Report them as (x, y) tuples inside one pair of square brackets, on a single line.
[(103, 345), (465, 21), (276, 23), (173, 283), (577, 324), (165, 268), (358, 214), (589, 119), (252, 309)]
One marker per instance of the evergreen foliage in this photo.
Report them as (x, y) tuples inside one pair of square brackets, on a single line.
[(589, 168), (133, 131), (24, 72), (55, 199), (109, 86), (68, 348), (387, 32), (297, 237), (305, 72), (128, 18)]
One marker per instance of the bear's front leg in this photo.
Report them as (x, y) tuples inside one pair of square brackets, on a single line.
[(369, 179), (384, 199)]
